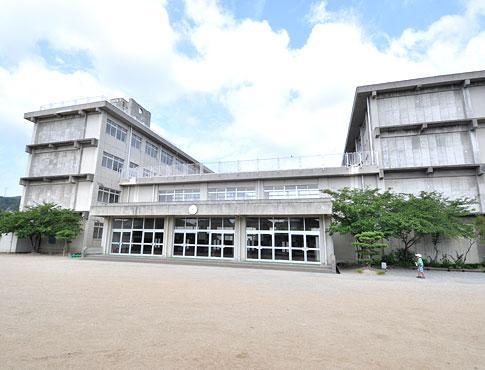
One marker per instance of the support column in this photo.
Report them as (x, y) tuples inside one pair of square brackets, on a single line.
[(106, 237), (168, 233), (240, 239), (327, 244)]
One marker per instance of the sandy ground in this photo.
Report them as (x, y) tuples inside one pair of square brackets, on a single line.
[(62, 313)]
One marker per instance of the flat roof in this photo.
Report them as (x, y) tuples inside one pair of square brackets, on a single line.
[(359, 107), (115, 111)]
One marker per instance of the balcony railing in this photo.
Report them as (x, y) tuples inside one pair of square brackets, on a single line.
[(67, 103), (357, 159)]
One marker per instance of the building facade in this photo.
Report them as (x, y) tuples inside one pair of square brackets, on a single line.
[(144, 197)]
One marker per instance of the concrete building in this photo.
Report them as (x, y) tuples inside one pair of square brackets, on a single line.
[(142, 196)]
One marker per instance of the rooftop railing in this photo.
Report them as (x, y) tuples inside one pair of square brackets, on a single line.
[(67, 103), (356, 159)]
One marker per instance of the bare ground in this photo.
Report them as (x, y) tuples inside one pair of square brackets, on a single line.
[(62, 313)]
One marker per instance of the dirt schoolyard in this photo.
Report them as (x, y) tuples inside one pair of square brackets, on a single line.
[(76, 314)]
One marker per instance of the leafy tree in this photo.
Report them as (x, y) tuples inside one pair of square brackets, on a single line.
[(367, 246), (406, 217), (355, 211), (44, 220)]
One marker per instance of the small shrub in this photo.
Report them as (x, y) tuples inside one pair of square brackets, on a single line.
[(381, 272), (360, 271)]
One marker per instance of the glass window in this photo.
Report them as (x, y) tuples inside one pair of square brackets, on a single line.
[(166, 157), (179, 238), (135, 239), (203, 238), (149, 223), (281, 224), (136, 141), (229, 223), (112, 162), (98, 230), (312, 241), (297, 243), (281, 240), (266, 224), (292, 191), (296, 224), (138, 223), (190, 238), (159, 223), (179, 195), (116, 130), (107, 195), (312, 224), (203, 223), (228, 239), (151, 150), (252, 240), (208, 236), (252, 223), (136, 236)]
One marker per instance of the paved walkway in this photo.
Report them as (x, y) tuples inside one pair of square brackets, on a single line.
[(66, 313)]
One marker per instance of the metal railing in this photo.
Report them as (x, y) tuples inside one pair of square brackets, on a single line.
[(67, 103), (357, 159)]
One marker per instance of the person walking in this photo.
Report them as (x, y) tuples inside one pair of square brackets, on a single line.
[(420, 266)]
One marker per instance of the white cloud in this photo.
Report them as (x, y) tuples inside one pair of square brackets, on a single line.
[(281, 100)]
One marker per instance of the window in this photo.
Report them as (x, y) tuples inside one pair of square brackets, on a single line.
[(107, 195), (115, 130), (112, 162), (98, 230), (291, 191), (293, 239), (179, 165), (137, 236), (135, 141), (167, 158), (231, 193), (133, 169), (151, 150), (179, 195), (204, 237), (147, 173)]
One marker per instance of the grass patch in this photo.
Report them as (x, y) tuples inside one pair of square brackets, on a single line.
[(381, 272), (360, 271)]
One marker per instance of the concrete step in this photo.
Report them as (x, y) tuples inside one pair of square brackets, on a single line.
[(203, 262), (93, 251)]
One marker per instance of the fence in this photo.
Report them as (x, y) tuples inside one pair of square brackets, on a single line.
[(356, 159)]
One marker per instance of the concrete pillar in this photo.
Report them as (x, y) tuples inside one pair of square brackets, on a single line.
[(203, 191), (240, 239), (168, 234), (373, 118), (327, 241), (106, 237)]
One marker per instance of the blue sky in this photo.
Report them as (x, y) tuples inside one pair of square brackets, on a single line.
[(225, 79)]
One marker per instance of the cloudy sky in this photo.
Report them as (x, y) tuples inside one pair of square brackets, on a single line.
[(227, 79)]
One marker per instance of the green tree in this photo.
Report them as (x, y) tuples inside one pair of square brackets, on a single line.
[(406, 217), (44, 220), (360, 210), (367, 246)]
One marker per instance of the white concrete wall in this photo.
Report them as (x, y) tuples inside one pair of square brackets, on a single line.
[(8, 243), (419, 107), (426, 149), (59, 193), (477, 97), (55, 162), (61, 129)]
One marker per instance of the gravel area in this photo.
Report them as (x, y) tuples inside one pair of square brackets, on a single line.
[(76, 314)]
